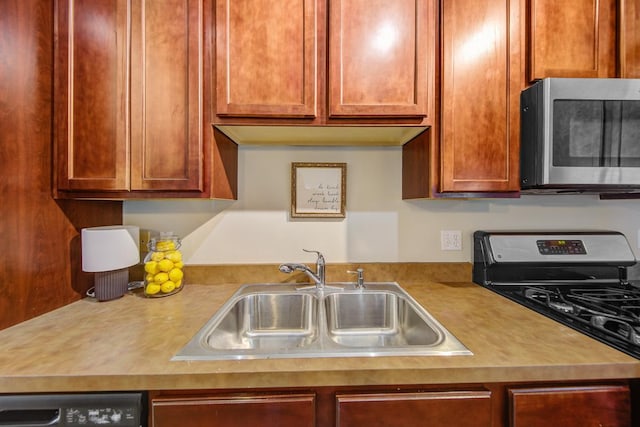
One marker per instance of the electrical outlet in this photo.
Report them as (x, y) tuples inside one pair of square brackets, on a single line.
[(451, 240)]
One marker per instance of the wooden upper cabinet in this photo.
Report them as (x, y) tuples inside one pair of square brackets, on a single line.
[(314, 61), (573, 38), (381, 57), (629, 39), (266, 58), (167, 48), (131, 99), (92, 144), (480, 91)]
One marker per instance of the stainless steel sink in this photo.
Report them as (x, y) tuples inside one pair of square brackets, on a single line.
[(281, 321), (378, 319), (267, 321)]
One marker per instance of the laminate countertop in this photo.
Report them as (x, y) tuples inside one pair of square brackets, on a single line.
[(127, 344)]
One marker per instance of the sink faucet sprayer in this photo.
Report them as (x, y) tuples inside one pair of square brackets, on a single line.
[(318, 277)]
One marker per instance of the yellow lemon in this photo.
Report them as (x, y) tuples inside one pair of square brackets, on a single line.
[(151, 267), (165, 265), (167, 287), (179, 283), (152, 289), (157, 256), (178, 264), (175, 274), (148, 278), (161, 277), (174, 256)]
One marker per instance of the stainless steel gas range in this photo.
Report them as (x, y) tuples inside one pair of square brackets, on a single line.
[(576, 278)]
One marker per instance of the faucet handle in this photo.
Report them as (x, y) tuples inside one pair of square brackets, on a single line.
[(320, 257), (360, 273)]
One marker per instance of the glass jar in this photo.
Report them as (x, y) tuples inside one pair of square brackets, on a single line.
[(163, 266)]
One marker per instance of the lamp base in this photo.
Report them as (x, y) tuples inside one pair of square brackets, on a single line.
[(111, 284)]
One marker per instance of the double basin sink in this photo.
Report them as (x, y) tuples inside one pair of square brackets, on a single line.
[(341, 320)]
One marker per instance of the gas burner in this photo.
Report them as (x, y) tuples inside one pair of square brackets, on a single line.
[(609, 295)]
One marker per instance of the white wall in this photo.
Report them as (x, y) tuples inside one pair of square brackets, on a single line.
[(379, 226)]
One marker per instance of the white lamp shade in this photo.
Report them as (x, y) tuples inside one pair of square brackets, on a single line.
[(110, 248)]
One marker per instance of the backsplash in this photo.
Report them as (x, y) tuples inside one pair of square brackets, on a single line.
[(379, 225)]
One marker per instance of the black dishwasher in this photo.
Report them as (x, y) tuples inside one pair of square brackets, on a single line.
[(126, 409)]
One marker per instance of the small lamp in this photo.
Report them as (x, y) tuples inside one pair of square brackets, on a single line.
[(109, 252)]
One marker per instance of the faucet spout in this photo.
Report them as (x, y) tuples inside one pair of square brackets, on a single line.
[(290, 268), (318, 277)]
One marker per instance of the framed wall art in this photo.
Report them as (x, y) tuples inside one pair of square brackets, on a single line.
[(318, 190)]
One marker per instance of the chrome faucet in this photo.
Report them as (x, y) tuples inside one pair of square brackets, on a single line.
[(318, 277)]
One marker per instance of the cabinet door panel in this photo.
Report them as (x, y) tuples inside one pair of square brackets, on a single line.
[(629, 39), (380, 57), (277, 410), (266, 58), (570, 406), (481, 86), (166, 95), (435, 409), (91, 141), (573, 38)]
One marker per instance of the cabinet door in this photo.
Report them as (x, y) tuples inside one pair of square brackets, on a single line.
[(91, 146), (167, 48), (629, 39), (570, 406), (277, 410), (266, 58), (574, 38), (481, 82), (381, 57), (435, 409)]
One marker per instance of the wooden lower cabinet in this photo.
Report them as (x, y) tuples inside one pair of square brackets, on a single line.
[(576, 404), (581, 406), (234, 410), (435, 409)]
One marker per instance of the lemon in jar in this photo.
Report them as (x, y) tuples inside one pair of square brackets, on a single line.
[(175, 275), (174, 256), (167, 287), (161, 277), (151, 267), (165, 265), (152, 288)]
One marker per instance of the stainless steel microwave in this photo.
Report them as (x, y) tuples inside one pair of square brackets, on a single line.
[(580, 135)]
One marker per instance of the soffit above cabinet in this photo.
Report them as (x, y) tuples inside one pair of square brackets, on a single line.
[(322, 135)]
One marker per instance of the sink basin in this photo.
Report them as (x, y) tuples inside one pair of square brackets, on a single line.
[(282, 321), (266, 321), (377, 319)]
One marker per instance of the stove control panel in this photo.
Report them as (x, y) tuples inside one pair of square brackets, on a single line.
[(548, 247), (561, 247)]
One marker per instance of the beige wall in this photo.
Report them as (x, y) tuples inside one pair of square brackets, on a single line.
[(379, 226)]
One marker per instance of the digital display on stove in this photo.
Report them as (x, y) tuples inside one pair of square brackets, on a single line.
[(561, 247)]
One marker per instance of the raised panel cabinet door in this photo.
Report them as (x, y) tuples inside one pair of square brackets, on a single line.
[(381, 57), (270, 410), (481, 82), (167, 54), (629, 39), (570, 406), (266, 54), (572, 38), (91, 145), (433, 409)]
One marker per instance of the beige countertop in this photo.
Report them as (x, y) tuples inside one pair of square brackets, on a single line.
[(127, 344)]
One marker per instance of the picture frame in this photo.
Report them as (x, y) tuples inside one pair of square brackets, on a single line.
[(318, 190)]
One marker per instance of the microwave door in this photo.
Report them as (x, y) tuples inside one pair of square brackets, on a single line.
[(596, 141), (629, 139)]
